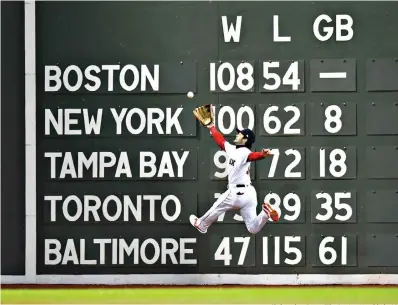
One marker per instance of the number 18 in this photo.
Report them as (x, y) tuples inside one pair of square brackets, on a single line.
[(334, 163)]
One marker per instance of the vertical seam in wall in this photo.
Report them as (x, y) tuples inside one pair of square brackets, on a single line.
[(0, 133), (30, 140), (218, 41)]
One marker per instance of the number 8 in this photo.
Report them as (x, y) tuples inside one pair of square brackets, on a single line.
[(248, 76), (336, 119)]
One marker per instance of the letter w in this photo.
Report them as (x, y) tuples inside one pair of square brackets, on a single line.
[(231, 32)]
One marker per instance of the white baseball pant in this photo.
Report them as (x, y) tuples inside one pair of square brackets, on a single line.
[(236, 198)]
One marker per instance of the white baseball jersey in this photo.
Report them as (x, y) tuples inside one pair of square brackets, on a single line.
[(237, 165), (236, 197)]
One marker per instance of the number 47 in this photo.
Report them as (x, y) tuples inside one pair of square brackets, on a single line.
[(223, 252)]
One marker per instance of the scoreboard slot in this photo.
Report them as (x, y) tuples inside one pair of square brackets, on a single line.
[(330, 75), (381, 118), (386, 166), (376, 253), (290, 205), (333, 119), (382, 74), (229, 117), (282, 119), (121, 78), (281, 251), (130, 207), (387, 206), (232, 251), (281, 76), (333, 207), (334, 162), (333, 251), (285, 163), (232, 76)]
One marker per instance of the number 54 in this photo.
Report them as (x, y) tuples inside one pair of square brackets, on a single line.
[(290, 78)]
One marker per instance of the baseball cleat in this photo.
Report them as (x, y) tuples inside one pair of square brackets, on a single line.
[(194, 222), (270, 211)]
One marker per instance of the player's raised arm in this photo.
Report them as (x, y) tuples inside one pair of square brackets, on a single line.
[(258, 155), (217, 136)]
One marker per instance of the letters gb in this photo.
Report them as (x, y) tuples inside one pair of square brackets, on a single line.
[(343, 27)]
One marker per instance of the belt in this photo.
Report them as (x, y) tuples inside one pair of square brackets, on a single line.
[(239, 185)]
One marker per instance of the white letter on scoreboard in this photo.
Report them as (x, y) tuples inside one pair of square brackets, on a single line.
[(276, 31), (231, 32), (56, 77), (169, 250), (156, 252), (102, 243), (145, 163), (53, 206), (184, 251), (110, 69), (328, 30), (48, 250), (79, 81), (344, 27)]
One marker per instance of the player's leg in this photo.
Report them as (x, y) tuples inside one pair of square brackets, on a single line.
[(222, 204), (254, 223)]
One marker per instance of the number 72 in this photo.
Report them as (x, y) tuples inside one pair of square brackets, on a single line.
[(289, 169)]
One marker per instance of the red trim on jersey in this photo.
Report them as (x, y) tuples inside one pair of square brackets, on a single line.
[(218, 137), (254, 156)]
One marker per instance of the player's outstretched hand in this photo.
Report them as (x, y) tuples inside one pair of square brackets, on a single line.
[(204, 114), (266, 152)]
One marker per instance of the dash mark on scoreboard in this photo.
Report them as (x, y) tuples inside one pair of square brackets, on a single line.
[(333, 75)]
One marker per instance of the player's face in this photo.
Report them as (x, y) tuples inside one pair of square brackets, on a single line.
[(240, 139)]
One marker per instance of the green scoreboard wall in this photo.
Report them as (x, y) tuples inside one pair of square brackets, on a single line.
[(121, 162)]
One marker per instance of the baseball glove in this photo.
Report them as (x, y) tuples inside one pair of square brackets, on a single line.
[(204, 114)]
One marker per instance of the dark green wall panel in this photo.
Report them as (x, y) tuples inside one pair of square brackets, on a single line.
[(341, 144)]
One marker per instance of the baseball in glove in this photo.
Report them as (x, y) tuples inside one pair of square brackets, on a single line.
[(204, 114)]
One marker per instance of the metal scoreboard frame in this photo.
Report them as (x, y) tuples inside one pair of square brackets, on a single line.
[(325, 102)]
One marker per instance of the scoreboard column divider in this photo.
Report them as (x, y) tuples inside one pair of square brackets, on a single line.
[(361, 180), (308, 140), (30, 141), (0, 126)]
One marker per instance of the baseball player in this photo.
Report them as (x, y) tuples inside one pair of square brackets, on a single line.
[(240, 195)]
